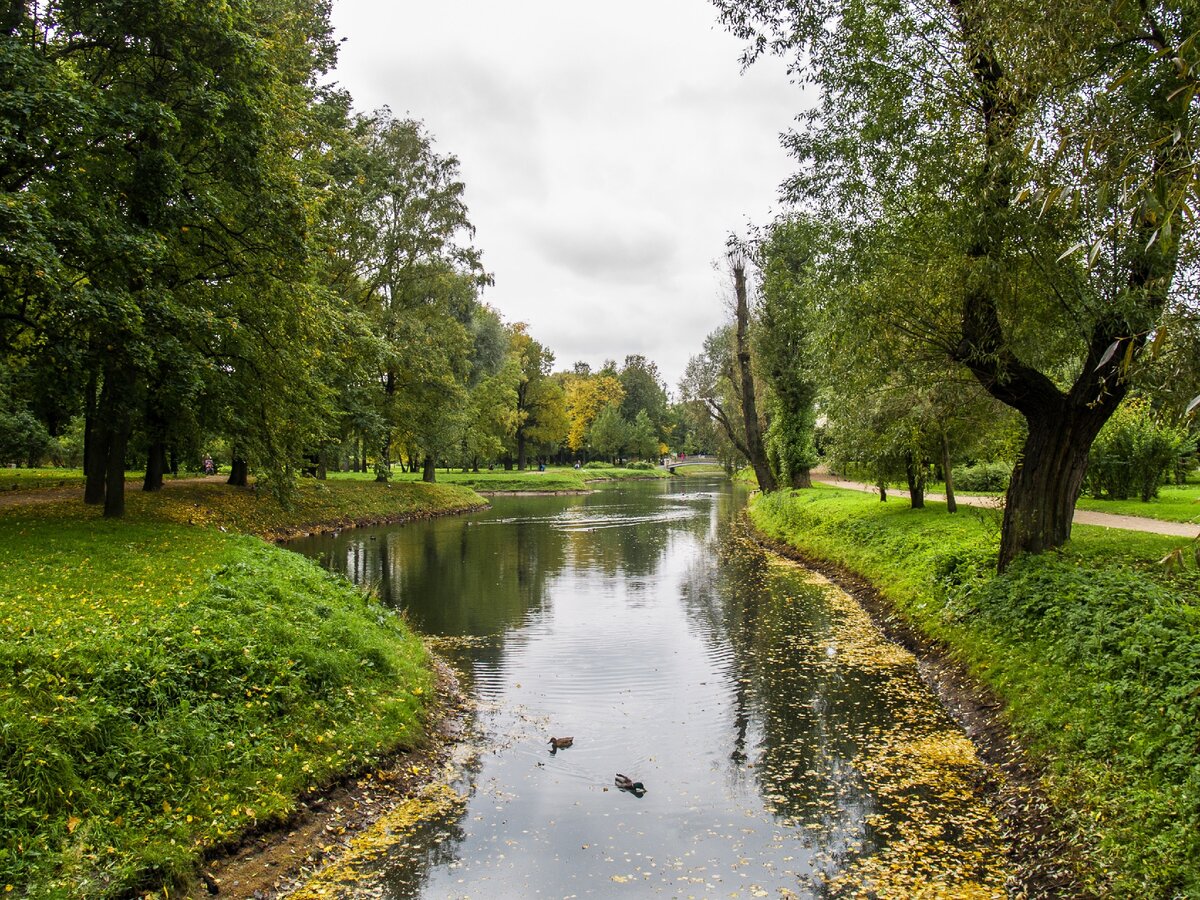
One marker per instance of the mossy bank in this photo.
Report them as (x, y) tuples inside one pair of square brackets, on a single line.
[(1094, 653), (165, 688)]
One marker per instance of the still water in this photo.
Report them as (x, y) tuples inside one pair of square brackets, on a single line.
[(787, 749)]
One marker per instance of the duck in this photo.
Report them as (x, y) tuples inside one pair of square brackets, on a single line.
[(625, 783), (561, 743)]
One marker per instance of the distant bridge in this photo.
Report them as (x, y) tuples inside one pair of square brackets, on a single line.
[(674, 464)]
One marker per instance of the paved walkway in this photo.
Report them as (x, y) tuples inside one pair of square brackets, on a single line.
[(1082, 516)]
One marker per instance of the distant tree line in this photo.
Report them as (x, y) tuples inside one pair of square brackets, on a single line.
[(205, 251)]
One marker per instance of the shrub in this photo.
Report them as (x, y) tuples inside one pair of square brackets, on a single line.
[(1134, 453), (991, 476), (597, 464), (641, 464)]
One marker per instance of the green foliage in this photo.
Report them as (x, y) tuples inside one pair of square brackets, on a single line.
[(163, 688), (598, 464), (1134, 453), (610, 434), (641, 465), (984, 477), (1095, 652)]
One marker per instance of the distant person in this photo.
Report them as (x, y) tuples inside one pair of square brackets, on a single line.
[(209, 467)]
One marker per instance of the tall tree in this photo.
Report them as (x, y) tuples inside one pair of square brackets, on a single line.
[(1039, 127), (755, 447), (540, 400), (789, 261)]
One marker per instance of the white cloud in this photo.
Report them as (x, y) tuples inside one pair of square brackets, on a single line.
[(607, 149)]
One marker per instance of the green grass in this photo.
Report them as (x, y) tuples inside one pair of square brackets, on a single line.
[(1095, 651), (555, 478), (163, 687), (1174, 503)]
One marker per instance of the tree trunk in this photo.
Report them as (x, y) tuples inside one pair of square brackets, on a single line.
[(521, 459), (801, 478), (156, 466), (948, 469), (95, 443), (1047, 481), (914, 471), (429, 471), (508, 463), (882, 485), (114, 474), (239, 470), (383, 465), (754, 443), (323, 465)]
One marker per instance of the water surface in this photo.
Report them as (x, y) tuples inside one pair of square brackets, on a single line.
[(786, 748)]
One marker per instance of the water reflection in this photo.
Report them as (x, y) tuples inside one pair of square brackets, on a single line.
[(784, 745)]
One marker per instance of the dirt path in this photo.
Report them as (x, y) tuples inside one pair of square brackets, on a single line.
[(1082, 516)]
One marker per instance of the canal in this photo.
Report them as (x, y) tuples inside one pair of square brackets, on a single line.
[(786, 748)]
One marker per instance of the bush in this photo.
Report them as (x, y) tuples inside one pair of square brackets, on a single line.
[(1134, 454), (597, 464), (992, 476), (23, 439), (641, 464)]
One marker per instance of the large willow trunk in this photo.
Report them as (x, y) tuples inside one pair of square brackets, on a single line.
[(1047, 481)]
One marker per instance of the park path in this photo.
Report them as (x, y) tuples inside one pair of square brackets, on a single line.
[(1082, 516)]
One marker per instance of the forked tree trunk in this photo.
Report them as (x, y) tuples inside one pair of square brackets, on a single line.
[(1047, 481)]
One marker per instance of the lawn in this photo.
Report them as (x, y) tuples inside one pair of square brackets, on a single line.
[(166, 684)]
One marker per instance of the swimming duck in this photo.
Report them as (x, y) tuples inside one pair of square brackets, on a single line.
[(625, 783), (560, 743)]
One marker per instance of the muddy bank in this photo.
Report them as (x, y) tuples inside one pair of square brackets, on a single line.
[(281, 535)]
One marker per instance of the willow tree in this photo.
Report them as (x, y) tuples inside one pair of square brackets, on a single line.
[(1061, 137)]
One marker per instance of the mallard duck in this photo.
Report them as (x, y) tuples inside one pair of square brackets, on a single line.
[(625, 783), (561, 743)]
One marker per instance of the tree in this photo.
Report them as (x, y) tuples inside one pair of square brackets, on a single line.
[(398, 246), (586, 396), (710, 392), (754, 446), (540, 400), (643, 437), (610, 434), (1042, 131), (789, 299), (644, 390)]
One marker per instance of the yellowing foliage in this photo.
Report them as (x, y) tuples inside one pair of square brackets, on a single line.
[(586, 396)]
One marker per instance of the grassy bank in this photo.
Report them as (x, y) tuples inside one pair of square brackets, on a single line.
[(1095, 652), (166, 687), (554, 479)]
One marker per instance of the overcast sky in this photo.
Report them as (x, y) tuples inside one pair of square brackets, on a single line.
[(607, 149)]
